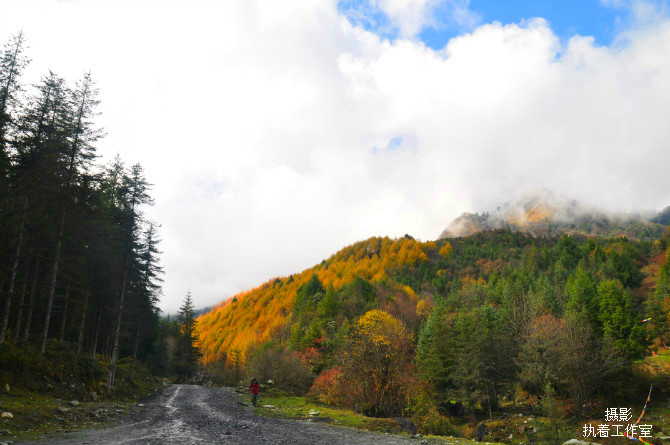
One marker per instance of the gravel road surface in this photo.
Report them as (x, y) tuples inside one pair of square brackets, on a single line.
[(189, 414)]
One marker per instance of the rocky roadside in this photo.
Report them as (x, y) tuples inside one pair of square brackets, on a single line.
[(32, 416)]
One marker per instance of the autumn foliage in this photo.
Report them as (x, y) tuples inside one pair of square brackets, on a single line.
[(397, 327), (251, 316), (377, 366)]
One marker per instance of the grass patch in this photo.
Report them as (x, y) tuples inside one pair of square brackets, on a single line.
[(42, 388), (37, 415), (298, 408), (291, 407)]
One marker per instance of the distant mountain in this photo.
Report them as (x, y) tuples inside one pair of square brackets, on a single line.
[(546, 214), (197, 312), (203, 311)]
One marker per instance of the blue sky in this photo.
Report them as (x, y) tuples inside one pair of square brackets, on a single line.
[(601, 19)]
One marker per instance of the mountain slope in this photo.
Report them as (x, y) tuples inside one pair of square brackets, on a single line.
[(251, 316), (384, 320), (404, 276)]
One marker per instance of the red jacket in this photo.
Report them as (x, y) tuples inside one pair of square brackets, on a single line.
[(254, 388)]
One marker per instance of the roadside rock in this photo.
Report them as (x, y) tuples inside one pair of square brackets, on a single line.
[(481, 430), (577, 442), (406, 425), (7, 415), (239, 402), (314, 413), (74, 402), (94, 396)]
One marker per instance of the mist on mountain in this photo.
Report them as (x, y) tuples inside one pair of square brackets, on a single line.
[(545, 213)]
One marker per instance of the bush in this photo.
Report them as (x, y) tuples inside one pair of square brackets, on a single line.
[(427, 417), (283, 366), (434, 423), (325, 387)]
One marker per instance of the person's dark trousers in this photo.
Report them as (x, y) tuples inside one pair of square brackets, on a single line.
[(254, 398)]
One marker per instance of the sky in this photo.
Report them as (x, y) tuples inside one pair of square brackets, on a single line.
[(276, 133)]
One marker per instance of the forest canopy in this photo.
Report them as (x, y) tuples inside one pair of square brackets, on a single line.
[(474, 320)]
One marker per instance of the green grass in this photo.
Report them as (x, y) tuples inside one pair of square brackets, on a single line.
[(655, 369), (663, 356), (292, 407), (36, 415), (41, 388)]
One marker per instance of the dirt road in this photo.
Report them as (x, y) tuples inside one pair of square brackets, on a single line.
[(188, 414)]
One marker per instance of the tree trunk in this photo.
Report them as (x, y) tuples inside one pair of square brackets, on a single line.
[(15, 266), (33, 290), (4, 278), (137, 342), (95, 337), (17, 334), (106, 354), (65, 303), (80, 339), (117, 329), (488, 399), (52, 286)]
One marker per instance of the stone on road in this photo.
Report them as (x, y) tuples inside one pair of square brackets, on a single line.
[(189, 414)]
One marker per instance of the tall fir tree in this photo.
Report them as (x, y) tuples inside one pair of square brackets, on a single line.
[(187, 351)]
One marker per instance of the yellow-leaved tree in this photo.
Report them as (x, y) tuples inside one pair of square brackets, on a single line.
[(377, 368)]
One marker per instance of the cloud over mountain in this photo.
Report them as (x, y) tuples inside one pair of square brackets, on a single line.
[(298, 132)]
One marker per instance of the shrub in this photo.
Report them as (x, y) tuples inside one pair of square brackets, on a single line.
[(434, 423), (283, 366), (325, 387), (427, 417)]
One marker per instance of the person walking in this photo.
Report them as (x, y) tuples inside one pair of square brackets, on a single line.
[(254, 391)]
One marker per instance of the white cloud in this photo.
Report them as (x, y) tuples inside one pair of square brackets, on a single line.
[(411, 16), (276, 132), (408, 18)]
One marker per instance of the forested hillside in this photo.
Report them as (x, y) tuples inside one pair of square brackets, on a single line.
[(80, 273), (457, 326), (250, 317)]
